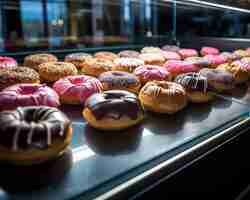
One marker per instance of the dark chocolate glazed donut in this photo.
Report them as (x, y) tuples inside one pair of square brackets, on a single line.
[(32, 127), (193, 81), (114, 104)]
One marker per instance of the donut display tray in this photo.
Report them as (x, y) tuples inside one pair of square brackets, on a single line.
[(98, 160)]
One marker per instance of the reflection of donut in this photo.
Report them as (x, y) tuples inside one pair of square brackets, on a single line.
[(129, 54), (187, 53), (33, 134), (118, 80), (163, 97), (106, 55), (7, 62), (172, 48), (78, 59), (113, 110), (196, 87), (127, 64), (16, 75), (209, 51)]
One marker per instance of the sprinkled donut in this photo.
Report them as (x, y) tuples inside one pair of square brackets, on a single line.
[(7, 62), (169, 55), (106, 55), (129, 54), (31, 135), (127, 64), (241, 53), (230, 57), (78, 59), (188, 53), (152, 58)]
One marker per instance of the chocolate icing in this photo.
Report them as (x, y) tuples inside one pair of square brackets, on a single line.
[(32, 127), (114, 104)]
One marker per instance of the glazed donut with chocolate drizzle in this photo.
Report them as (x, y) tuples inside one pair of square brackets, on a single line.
[(113, 110), (196, 87), (163, 97), (33, 134)]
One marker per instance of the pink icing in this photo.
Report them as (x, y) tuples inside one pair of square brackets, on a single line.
[(152, 72), (79, 87), (216, 59), (209, 51), (242, 64), (170, 55), (185, 53), (180, 67), (248, 50), (28, 95), (7, 62)]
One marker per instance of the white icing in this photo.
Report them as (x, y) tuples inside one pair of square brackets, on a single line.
[(30, 133), (48, 132), (16, 136)]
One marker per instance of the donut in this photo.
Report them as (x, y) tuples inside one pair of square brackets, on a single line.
[(7, 62), (209, 51), (196, 87), (127, 64), (118, 80), (27, 94), (172, 48), (218, 79), (33, 61), (187, 53), (198, 61), (241, 53), (238, 69), (33, 134), (129, 54), (76, 89), (96, 66), (78, 59), (106, 55), (215, 60), (152, 58), (53, 71), (113, 110), (163, 97), (148, 73), (17, 75), (176, 67), (170, 55), (230, 57), (245, 60), (151, 50)]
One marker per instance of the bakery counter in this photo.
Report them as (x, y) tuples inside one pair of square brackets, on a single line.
[(109, 164)]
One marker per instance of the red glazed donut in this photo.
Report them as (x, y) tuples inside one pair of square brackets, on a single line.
[(176, 67), (187, 53), (28, 94), (169, 55), (76, 89), (7, 62), (209, 51)]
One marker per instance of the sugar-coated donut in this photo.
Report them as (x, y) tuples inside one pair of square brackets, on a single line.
[(7, 62), (113, 110), (196, 87), (129, 54), (241, 53), (119, 80), (188, 53), (163, 97), (127, 64), (218, 79), (78, 59), (198, 61), (152, 58), (27, 94), (209, 51), (172, 48), (76, 89), (170, 55), (215, 60), (230, 57), (17, 75), (176, 67), (53, 71), (32, 135), (238, 69), (106, 55), (151, 50), (33, 61), (96, 66), (148, 73)]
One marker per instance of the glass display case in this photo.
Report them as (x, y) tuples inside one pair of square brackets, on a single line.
[(106, 165)]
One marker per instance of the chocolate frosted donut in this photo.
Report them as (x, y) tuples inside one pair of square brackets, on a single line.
[(78, 59), (170, 48), (118, 80), (129, 54), (113, 110), (16, 75), (196, 86), (33, 134)]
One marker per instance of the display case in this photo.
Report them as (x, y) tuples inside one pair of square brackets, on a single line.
[(125, 164)]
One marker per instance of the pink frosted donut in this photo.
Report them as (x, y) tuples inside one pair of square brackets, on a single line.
[(185, 53), (176, 67), (148, 73), (215, 60), (28, 94), (7, 62), (209, 51), (170, 55), (76, 89)]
